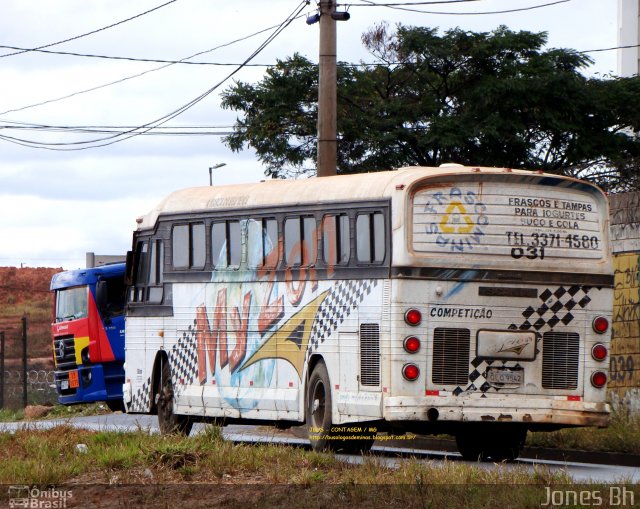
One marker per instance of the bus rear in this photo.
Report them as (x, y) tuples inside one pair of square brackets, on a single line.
[(502, 305), (88, 335)]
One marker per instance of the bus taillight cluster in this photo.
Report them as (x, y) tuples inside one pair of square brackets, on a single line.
[(599, 352), (411, 344)]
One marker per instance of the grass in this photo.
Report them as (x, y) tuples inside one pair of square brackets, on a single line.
[(53, 456), (135, 469), (622, 435), (8, 415)]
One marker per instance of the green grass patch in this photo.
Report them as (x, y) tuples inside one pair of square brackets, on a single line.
[(8, 415)]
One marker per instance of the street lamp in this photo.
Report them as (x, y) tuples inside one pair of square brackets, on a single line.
[(214, 167)]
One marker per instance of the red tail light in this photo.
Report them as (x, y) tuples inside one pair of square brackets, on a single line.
[(410, 372), (411, 344), (599, 379), (600, 324), (413, 317), (599, 352)]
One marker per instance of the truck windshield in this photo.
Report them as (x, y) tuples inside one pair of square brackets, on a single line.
[(71, 304)]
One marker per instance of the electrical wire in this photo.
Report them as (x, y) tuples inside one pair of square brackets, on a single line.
[(23, 50), (116, 138), (399, 6), (129, 59), (133, 76)]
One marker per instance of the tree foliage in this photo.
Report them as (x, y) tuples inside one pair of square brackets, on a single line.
[(485, 99)]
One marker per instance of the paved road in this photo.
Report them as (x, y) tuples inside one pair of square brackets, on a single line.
[(580, 472)]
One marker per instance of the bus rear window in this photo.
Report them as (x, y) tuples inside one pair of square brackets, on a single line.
[(507, 219)]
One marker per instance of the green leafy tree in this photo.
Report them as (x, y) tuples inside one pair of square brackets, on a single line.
[(485, 99)]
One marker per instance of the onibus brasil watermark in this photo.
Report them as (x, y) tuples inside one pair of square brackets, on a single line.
[(38, 498)]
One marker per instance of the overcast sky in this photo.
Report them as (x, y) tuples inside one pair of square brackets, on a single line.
[(57, 205)]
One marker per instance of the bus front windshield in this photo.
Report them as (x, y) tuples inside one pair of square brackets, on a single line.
[(71, 304)]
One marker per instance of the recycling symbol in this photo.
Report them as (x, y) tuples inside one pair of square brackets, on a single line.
[(456, 219)]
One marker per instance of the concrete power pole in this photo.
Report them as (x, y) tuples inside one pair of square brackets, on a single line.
[(327, 95)]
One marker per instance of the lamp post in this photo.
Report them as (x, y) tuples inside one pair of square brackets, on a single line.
[(214, 167)]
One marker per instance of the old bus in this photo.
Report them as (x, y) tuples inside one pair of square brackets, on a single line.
[(470, 301)]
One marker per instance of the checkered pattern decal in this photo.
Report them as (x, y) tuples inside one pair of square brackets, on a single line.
[(183, 359), (342, 300), (555, 309)]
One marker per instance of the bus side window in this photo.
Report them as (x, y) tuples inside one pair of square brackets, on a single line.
[(156, 268), (262, 240), (188, 246), (336, 239), (370, 241), (300, 241), (226, 246), (137, 291)]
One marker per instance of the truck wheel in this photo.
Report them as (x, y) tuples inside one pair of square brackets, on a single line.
[(169, 422), (319, 409)]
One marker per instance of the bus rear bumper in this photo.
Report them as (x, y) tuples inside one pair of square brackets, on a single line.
[(526, 410)]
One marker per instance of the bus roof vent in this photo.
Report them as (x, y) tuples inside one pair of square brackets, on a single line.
[(451, 165)]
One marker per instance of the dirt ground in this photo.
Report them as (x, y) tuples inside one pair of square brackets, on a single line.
[(25, 292)]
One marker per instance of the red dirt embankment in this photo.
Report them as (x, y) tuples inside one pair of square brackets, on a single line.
[(25, 292)]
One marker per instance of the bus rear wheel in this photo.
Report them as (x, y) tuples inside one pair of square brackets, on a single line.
[(168, 421), (319, 415), (320, 423), (496, 444)]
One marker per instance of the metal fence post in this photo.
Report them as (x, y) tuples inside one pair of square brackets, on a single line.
[(1, 369), (24, 362)]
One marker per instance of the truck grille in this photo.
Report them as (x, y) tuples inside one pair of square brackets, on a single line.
[(65, 352), (370, 354), (451, 356), (560, 357)]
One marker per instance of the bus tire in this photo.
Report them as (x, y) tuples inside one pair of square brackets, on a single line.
[(497, 445), (319, 416), (469, 447), (168, 421), (506, 445)]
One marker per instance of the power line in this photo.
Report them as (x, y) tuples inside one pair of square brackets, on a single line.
[(116, 138), (133, 76), (399, 6), (23, 50), (129, 59)]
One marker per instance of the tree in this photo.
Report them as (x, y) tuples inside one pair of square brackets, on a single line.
[(485, 99)]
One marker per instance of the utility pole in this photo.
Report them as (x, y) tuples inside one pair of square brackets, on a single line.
[(327, 95)]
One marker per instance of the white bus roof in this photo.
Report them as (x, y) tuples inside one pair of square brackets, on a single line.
[(278, 192)]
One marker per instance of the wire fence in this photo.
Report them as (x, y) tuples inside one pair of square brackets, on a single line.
[(40, 387), (23, 382)]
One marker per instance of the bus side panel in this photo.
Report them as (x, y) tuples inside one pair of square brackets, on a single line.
[(241, 349)]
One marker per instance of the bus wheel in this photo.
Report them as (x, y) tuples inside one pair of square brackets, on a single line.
[(319, 409), (506, 445), (469, 447), (477, 444), (168, 422)]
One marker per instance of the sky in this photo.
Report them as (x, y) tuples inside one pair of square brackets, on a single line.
[(56, 205)]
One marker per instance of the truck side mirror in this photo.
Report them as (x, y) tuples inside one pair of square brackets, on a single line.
[(101, 296)]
